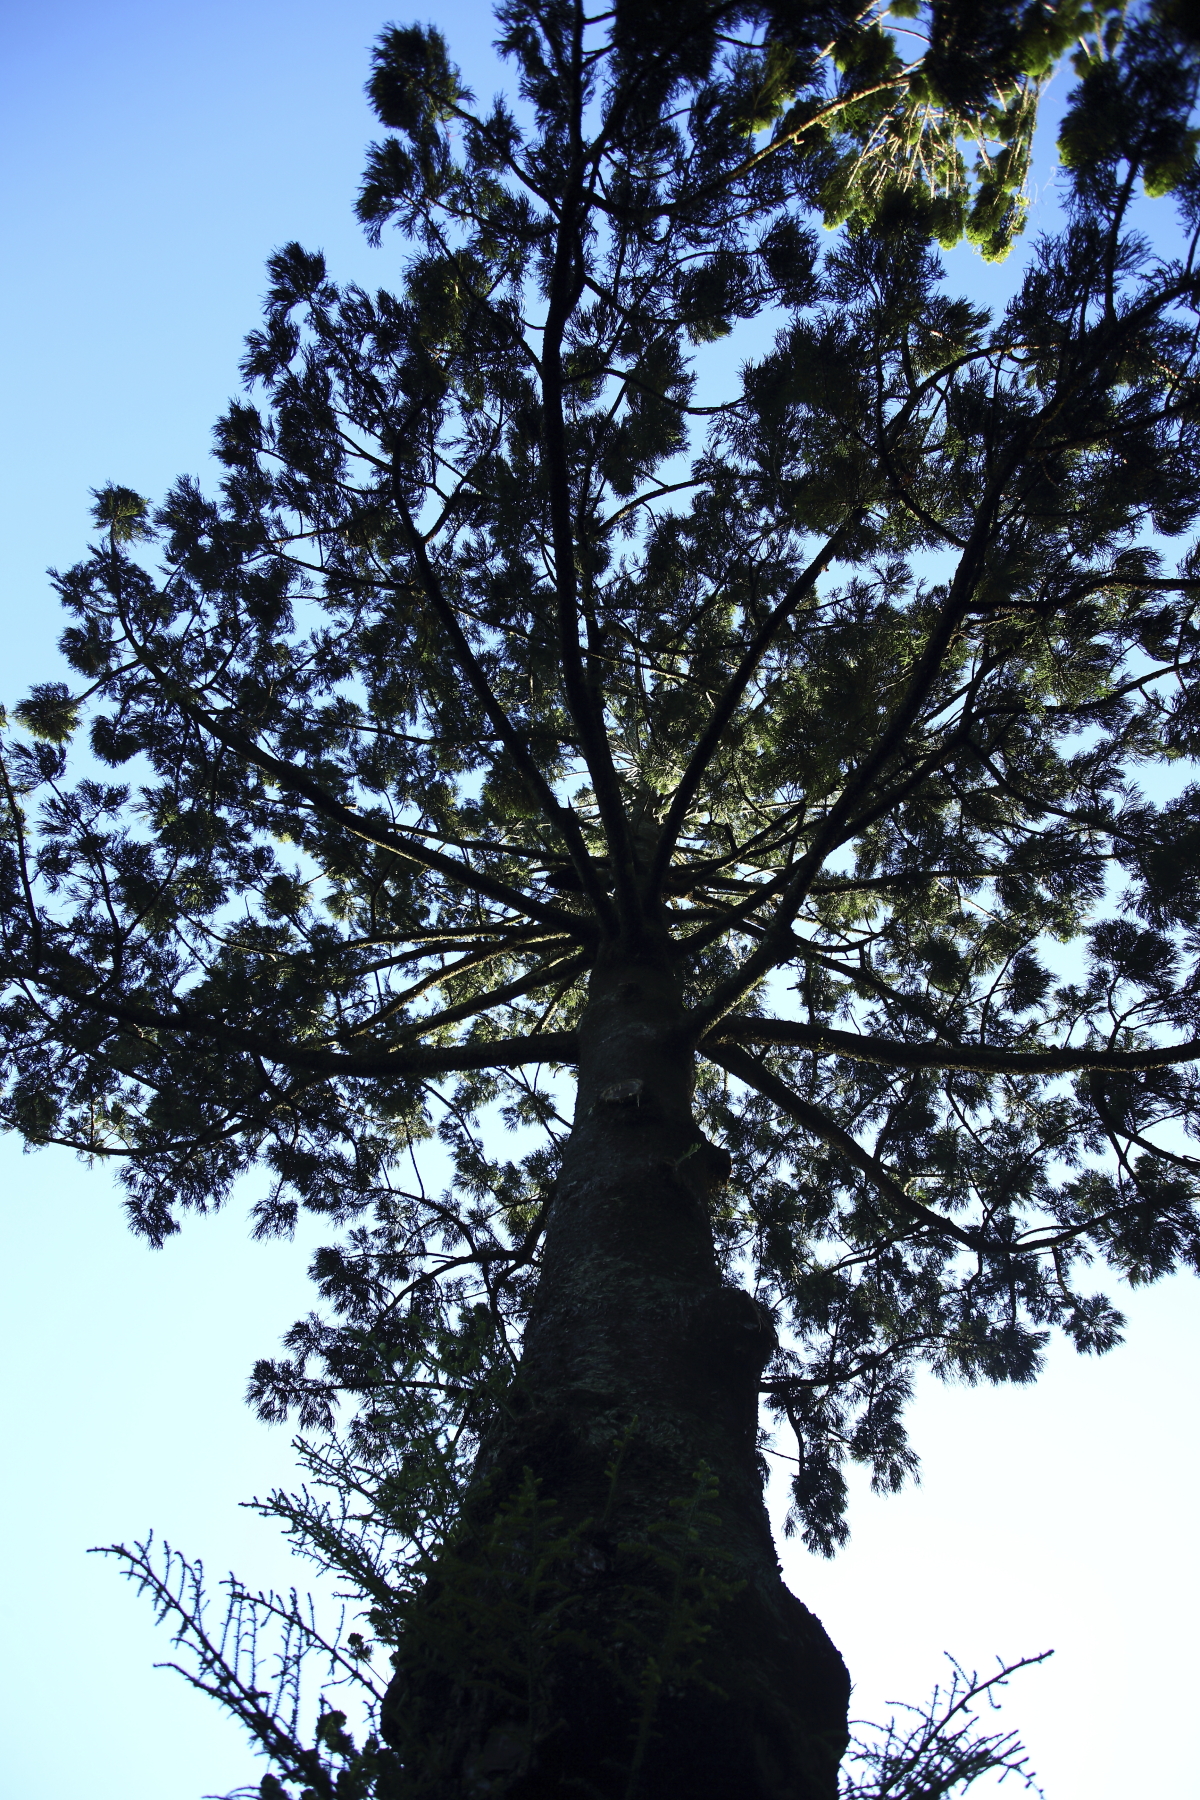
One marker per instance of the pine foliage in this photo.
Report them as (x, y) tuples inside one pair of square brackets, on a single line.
[(308, 1691), (525, 622)]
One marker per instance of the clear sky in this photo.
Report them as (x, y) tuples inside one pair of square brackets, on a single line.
[(152, 154)]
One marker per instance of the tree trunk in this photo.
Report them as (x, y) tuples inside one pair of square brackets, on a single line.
[(660, 1654)]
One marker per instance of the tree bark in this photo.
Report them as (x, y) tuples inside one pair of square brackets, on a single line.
[(677, 1665)]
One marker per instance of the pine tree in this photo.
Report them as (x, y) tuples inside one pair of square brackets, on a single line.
[(544, 702)]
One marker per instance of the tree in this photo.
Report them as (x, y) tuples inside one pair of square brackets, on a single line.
[(759, 754)]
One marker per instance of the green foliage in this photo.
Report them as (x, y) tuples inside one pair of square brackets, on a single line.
[(498, 1604), (1130, 117), (51, 713), (526, 632), (503, 1609), (124, 514), (255, 1663)]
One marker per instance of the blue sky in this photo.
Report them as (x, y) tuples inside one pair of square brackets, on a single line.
[(153, 154)]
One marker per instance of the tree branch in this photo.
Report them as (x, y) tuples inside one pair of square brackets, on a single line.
[(895, 1054), (723, 710), (812, 1119), (299, 781), (496, 1053), (561, 817), (566, 285)]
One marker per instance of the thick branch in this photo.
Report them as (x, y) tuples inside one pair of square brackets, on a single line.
[(291, 779), (566, 285), (497, 1053), (561, 817), (727, 703), (751, 1071), (840, 822), (895, 1054), (563, 971)]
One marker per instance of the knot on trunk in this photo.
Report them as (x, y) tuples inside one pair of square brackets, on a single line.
[(729, 1326), (622, 1096), (702, 1167)]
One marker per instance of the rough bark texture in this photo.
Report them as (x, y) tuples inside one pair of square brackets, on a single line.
[(634, 1340)]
